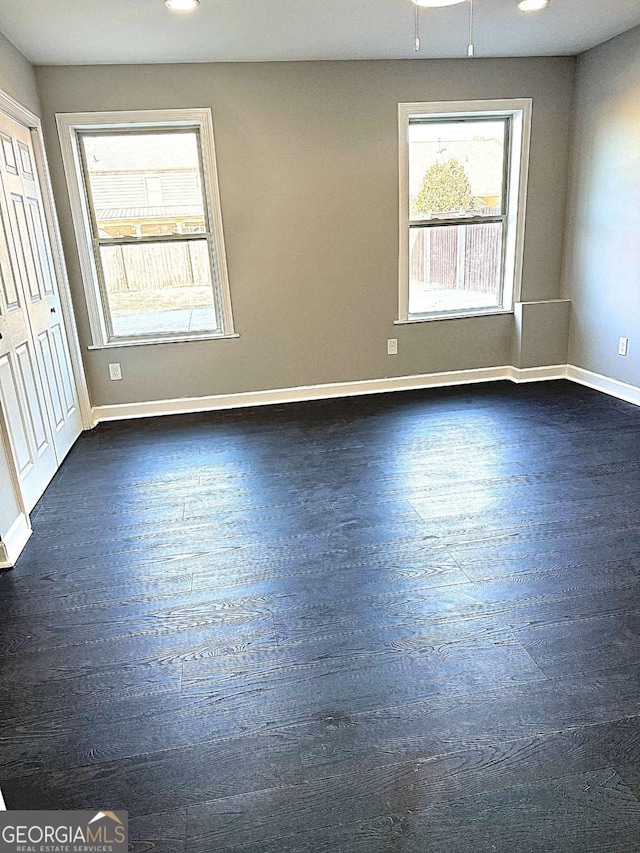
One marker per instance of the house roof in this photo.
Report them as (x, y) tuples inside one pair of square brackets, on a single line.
[(148, 212)]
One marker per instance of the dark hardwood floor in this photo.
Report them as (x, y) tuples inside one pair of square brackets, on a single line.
[(402, 623)]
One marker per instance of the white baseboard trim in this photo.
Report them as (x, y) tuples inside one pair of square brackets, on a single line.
[(538, 374), (613, 387), (12, 544), (185, 405)]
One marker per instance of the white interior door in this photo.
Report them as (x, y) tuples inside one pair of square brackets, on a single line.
[(36, 380), (23, 404)]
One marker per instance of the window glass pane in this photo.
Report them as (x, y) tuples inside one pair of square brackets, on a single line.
[(159, 288), (456, 168), (454, 267), (145, 184)]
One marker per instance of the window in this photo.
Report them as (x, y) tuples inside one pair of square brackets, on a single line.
[(463, 170), (144, 198), (153, 186)]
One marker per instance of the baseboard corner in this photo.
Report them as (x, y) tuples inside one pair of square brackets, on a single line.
[(538, 374), (613, 387), (12, 545)]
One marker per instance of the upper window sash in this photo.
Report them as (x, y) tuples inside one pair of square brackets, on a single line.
[(504, 194), (90, 201)]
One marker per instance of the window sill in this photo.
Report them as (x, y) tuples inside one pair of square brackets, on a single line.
[(155, 341), (458, 316)]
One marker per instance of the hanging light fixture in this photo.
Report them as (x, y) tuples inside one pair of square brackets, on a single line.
[(182, 5), (434, 4), (532, 5), (523, 5)]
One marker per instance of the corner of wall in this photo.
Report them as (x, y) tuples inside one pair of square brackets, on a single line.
[(12, 544), (601, 262), (540, 333), (17, 76)]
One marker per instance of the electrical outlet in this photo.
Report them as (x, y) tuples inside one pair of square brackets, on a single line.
[(115, 371), (623, 346), (392, 346)]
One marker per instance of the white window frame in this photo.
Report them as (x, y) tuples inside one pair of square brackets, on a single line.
[(519, 112), (70, 125)]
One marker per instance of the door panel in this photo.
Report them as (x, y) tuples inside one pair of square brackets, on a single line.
[(45, 266), (21, 445), (25, 159), (9, 154), (21, 437), (7, 283), (26, 260), (31, 405), (62, 360), (53, 381)]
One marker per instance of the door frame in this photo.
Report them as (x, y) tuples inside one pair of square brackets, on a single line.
[(16, 111)]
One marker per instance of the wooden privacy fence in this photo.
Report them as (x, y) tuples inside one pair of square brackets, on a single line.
[(465, 257), (131, 268)]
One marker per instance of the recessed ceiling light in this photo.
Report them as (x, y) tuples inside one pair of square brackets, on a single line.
[(182, 5), (434, 3), (532, 5)]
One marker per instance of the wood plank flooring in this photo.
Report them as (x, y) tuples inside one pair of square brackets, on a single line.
[(402, 623)]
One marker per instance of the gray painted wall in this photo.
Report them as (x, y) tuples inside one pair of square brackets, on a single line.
[(17, 76), (603, 245), (307, 159)]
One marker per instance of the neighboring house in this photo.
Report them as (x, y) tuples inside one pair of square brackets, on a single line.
[(157, 203), (132, 198), (481, 159)]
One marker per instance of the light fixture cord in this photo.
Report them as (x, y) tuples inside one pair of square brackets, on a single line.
[(416, 43), (470, 49)]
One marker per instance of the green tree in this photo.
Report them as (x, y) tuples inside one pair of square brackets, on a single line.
[(445, 188)]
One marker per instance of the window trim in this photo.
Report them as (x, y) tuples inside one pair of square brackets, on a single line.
[(519, 111), (69, 126)]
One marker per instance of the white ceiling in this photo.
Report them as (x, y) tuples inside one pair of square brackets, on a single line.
[(144, 31)]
